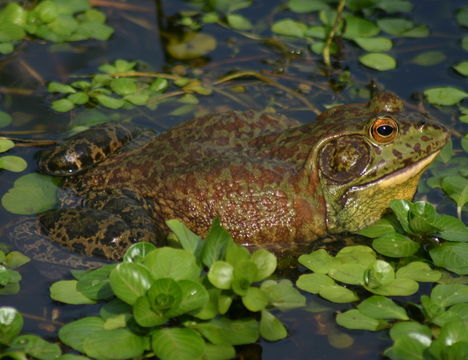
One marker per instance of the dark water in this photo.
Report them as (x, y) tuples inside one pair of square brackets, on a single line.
[(140, 34)]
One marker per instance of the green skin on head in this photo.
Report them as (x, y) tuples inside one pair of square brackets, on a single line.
[(273, 181)]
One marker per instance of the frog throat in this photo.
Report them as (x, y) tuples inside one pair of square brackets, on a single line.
[(364, 204)]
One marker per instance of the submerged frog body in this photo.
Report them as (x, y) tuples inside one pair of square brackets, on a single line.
[(272, 181)]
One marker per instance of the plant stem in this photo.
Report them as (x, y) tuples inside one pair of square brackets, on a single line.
[(331, 34)]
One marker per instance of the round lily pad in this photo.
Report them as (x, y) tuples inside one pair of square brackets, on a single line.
[(191, 46)]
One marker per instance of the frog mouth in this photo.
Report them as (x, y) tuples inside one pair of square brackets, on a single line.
[(406, 173)]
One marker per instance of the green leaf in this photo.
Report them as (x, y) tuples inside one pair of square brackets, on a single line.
[(13, 13), (447, 295), (73, 334), (395, 245), (66, 292), (5, 120), (462, 16), (411, 329), (455, 312), (194, 297), (6, 48), (6, 144), (130, 281), (56, 87), (314, 282), (445, 95), (418, 271), (191, 46), (356, 254), (377, 44), (95, 284), (255, 299), (177, 344), (173, 263), (396, 287), (354, 319), (11, 323), (305, 6), (464, 43), (379, 228), (79, 98), (164, 295), (35, 347), (160, 85), (319, 261), (215, 244), (124, 86), (136, 253), (219, 352), (15, 259), (451, 228), (271, 328), (358, 27), (338, 294), (10, 32), (462, 68), (109, 101), (231, 332), (145, 315), (265, 262), (282, 294), (236, 253), (429, 58), (239, 22), (30, 194), (114, 344), (378, 61), (395, 26), (405, 347), (379, 274), (456, 187), (289, 27), (62, 105), (348, 273), (382, 308), (189, 240), (451, 256), (13, 163)]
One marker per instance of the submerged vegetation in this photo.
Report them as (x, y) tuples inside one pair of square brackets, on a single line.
[(204, 299)]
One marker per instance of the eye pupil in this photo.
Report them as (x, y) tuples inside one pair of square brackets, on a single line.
[(385, 130)]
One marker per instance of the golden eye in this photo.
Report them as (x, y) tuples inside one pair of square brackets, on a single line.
[(384, 130)]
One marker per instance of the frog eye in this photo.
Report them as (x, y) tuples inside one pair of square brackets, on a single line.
[(384, 130)]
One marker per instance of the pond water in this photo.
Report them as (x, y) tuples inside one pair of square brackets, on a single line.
[(142, 31)]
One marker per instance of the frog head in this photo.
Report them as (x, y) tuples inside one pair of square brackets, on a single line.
[(371, 154)]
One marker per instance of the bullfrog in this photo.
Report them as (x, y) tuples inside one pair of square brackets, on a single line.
[(273, 182)]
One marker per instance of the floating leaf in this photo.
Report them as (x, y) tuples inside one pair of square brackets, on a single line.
[(289, 27), (305, 6), (447, 295), (13, 163), (354, 319), (359, 27), (6, 144), (232, 332), (395, 245), (462, 16), (418, 271), (382, 308), (319, 261), (221, 274), (283, 295), (239, 22), (65, 291), (31, 194), (116, 344), (35, 347), (271, 328), (452, 256), (429, 58), (378, 61), (73, 334), (377, 44), (177, 264), (462, 68), (445, 95), (11, 323), (177, 344), (62, 105), (191, 46), (255, 299), (314, 282), (5, 120), (130, 281), (265, 262)]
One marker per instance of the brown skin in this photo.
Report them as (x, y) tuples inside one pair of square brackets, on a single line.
[(273, 181)]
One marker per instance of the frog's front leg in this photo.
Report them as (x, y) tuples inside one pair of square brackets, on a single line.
[(87, 148), (107, 224)]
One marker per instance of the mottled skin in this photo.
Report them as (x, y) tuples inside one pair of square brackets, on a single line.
[(272, 180)]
